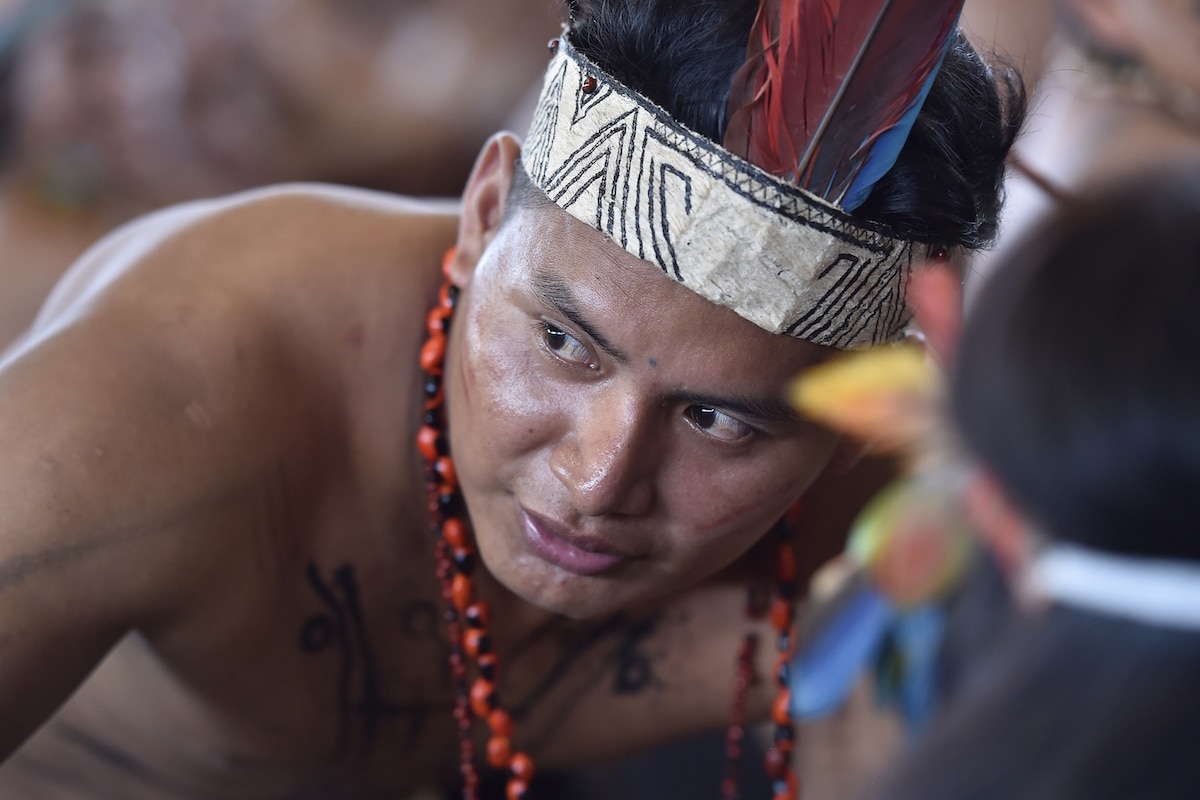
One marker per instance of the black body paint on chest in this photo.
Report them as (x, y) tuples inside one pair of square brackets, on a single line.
[(360, 696)]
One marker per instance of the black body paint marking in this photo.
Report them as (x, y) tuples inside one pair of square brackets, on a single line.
[(359, 691), (318, 634), (619, 640), (334, 622), (20, 567), (422, 621), (635, 667)]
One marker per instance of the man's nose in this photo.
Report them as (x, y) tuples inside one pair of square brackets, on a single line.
[(606, 458)]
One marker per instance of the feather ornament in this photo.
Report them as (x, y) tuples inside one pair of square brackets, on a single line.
[(831, 89)]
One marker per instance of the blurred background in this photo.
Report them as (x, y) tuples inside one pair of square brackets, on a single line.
[(109, 108)]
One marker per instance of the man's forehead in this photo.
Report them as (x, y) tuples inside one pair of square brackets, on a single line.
[(621, 299), (550, 238)]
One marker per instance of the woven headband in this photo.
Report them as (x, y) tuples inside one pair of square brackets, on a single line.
[(777, 255)]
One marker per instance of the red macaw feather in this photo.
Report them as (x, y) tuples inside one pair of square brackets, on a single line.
[(831, 87)]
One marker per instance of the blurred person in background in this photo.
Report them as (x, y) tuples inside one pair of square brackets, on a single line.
[(1086, 459), (1119, 96)]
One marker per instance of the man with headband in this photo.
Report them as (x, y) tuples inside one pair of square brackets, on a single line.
[(292, 517)]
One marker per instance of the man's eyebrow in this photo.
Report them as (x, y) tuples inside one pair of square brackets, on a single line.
[(555, 293), (768, 409)]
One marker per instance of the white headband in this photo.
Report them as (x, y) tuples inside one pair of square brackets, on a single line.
[(777, 255), (1151, 591)]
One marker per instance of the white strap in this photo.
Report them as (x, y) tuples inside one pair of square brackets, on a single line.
[(1151, 591)]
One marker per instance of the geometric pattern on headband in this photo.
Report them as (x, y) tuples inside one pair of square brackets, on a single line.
[(775, 254)]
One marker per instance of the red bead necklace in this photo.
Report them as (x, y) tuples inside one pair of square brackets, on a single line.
[(467, 616)]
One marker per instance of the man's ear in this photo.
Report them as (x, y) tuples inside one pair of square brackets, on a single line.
[(483, 203)]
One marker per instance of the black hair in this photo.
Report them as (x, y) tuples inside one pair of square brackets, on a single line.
[(1077, 381), (946, 185)]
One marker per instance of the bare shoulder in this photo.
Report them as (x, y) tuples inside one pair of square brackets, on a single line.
[(278, 227), (183, 366), (227, 309), (218, 303), (211, 330)]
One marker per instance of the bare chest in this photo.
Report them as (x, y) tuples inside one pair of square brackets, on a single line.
[(327, 676), (324, 692)]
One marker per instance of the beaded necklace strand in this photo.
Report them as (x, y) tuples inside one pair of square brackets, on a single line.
[(467, 617)]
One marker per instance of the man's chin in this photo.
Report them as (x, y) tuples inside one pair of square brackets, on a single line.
[(575, 597)]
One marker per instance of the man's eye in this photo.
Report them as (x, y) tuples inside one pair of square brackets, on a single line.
[(565, 345), (718, 424)]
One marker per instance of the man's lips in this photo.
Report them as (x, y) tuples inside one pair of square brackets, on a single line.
[(566, 549)]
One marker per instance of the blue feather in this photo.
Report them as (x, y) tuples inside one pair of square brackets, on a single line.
[(887, 147), (824, 673)]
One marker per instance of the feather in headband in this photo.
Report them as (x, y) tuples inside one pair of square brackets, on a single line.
[(831, 89)]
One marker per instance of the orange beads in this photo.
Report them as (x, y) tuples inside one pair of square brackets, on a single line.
[(461, 591), (521, 766), (499, 751), (483, 697), (467, 619), (433, 352), (500, 722), (455, 533)]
